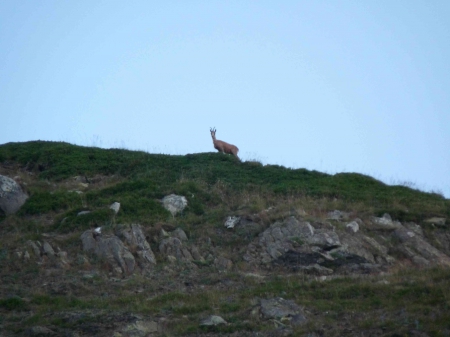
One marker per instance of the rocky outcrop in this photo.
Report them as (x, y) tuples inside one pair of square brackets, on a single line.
[(175, 248), (118, 253), (282, 237), (418, 250), (12, 197), (384, 223), (111, 249), (136, 241), (43, 253)]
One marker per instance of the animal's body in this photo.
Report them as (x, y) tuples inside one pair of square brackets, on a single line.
[(222, 146)]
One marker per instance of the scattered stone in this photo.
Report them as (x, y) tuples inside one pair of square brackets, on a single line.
[(223, 264), (414, 227), (34, 247), (63, 259), (174, 203), (83, 213), (140, 328), (39, 331), (283, 310), (12, 197), (80, 179), (385, 223), (352, 227), (213, 320), (48, 250), (338, 215), (115, 206), (232, 221), (163, 234), (436, 221), (180, 234)]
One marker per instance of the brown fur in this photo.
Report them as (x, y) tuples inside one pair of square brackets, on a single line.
[(222, 146)]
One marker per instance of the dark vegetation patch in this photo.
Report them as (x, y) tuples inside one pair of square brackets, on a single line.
[(44, 202)]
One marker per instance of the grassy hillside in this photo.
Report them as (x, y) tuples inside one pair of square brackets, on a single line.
[(208, 176), (85, 298)]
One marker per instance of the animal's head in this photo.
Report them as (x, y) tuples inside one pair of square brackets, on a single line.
[(213, 132)]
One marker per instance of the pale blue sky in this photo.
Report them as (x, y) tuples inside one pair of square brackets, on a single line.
[(354, 86)]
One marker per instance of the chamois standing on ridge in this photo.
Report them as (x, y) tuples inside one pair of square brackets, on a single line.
[(222, 146)]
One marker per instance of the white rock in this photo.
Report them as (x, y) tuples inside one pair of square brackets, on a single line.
[(352, 227), (12, 197), (232, 221), (174, 203), (115, 206), (213, 320)]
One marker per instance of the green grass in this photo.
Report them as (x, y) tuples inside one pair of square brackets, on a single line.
[(205, 179)]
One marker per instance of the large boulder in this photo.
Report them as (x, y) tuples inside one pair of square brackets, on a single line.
[(12, 197)]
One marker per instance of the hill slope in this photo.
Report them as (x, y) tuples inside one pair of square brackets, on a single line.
[(349, 249)]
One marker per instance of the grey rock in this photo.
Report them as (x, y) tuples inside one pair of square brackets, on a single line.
[(414, 245), (83, 213), (48, 250), (213, 320), (174, 203), (115, 206), (223, 264), (338, 215), (352, 227), (324, 239), (180, 234), (63, 259), (12, 197), (385, 223), (436, 221), (281, 309), (232, 221), (316, 269), (34, 248), (140, 328), (414, 227), (282, 237), (174, 250), (39, 331), (111, 248), (134, 237)]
